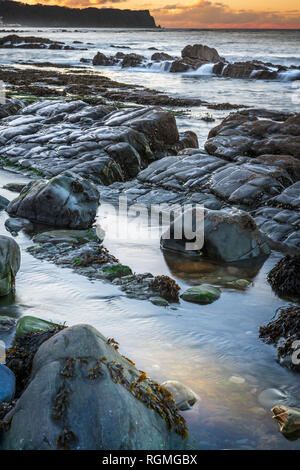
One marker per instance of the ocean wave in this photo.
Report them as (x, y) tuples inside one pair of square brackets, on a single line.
[(203, 70), (289, 75)]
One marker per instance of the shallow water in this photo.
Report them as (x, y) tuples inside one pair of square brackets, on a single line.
[(201, 346)]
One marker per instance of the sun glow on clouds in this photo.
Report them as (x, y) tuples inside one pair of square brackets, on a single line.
[(204, 13)]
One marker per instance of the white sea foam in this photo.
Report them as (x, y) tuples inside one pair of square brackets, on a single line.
[(289, 75), (203, 70)]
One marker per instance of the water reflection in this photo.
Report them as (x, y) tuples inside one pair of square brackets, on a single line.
[(195, 271)]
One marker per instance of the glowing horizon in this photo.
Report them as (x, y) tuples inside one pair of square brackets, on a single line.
[(235, 14)]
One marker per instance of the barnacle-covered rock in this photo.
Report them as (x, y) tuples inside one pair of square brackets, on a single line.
[(83, 394)]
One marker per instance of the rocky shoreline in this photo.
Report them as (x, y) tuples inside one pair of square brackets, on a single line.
[(193, 57), (80, 153)]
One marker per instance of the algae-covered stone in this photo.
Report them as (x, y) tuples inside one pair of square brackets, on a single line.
[(83, 394), (7, 384), (159, 301), (76, 237), (10, 259), (6, 323), (30, 324), (118, 270), (203, 294), (184, 396), (243, 283), (288, 418)]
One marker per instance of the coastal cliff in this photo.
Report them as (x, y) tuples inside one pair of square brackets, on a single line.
[(55, 16)]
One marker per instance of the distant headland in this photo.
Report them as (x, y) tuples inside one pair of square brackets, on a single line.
[(56, 16)]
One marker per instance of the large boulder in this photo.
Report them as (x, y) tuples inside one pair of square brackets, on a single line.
[(132, 60), (178, 66), (84, 395), (67, 200), (160, 56), (101, 59), (10, 259), (229, 236), (200, 53)]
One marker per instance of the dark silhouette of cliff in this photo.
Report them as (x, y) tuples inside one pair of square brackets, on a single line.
[(56, 16)]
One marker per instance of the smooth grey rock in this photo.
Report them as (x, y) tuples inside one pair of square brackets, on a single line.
[(184, 396), (3, 202), (6, 323), (229, 236), (15, 225), (79, 365), (7, 384), (10, 259), (66, 201)]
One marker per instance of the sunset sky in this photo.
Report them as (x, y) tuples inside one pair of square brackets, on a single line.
[(205, 14)]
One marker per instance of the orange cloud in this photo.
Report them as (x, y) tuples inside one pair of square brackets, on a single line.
[(207, 14), (204, 13)]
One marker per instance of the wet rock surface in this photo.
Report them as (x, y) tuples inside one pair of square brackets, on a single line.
[(80, 366), (288, 419), (47, 79), (203, 294), (193, 57), (66, 200), (284, 277), (184, 396), (253, 133), (6, 323), (234, 171), (228, 236), (95, 142), (10, 259), (13, 41), (283, 332)]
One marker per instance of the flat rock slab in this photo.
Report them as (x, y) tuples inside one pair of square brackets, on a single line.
[(97, 142)]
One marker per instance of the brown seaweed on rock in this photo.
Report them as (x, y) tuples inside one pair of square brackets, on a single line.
[(285, 277), (282, 333), (20, 355), (166, 287)]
